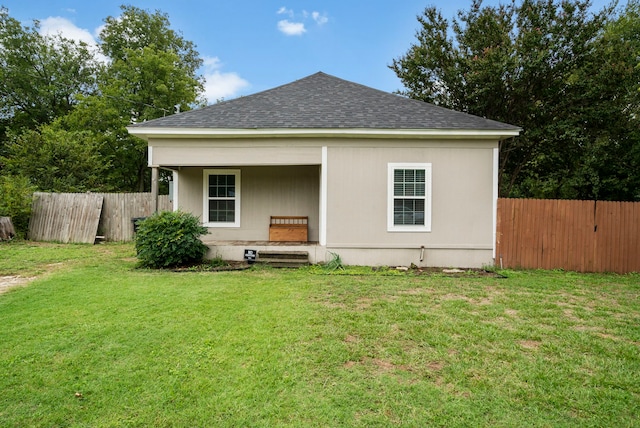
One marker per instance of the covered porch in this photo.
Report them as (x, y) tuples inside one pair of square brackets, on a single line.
[(258, 195)]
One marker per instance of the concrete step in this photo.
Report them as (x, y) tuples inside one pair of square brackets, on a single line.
[(283, 259), (293, 255)]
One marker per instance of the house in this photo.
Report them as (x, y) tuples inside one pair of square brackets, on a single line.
[(381, 179)]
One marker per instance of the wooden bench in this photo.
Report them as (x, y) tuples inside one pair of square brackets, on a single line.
[(288, 229)]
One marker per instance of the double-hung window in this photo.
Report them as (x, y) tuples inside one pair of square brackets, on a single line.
[(221, 198), (409, 197)]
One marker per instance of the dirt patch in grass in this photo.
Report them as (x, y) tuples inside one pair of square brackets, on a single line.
[(435, 366), (417, 291), (530, 344), (351, 339), (378, 364), (384, 365), (8, 282), (364, 303)]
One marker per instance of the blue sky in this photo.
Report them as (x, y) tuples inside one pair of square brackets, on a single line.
[(252, 45)]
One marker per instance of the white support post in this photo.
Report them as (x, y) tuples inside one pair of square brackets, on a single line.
[(154, 188), (323, 197)]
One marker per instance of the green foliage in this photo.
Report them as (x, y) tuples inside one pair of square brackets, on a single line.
[(152, 70), (135, 29), (40, 76), (58, 82), (217, 261), (170, 239), (566, 75), (335, 263), (16, 194), (56, 160)]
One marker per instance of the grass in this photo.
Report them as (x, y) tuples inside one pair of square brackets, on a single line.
[(93, 341)]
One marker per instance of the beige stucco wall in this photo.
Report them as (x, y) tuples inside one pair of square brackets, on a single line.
[(356, 226), (266, 191), (462, 186), (233, 152)]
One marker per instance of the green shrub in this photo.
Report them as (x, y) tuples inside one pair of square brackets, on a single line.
[(169, 239), (16, 195)]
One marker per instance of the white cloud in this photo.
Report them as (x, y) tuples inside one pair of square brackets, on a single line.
[(57, 25), (291, 28), (284, 11), (320, 19), (218, 84)]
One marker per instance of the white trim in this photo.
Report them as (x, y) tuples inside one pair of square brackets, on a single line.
[(387, 246), (391, 227), (324, 180), (150, 156), (205, 196), (176, 206), (496, 167), (152, 132)]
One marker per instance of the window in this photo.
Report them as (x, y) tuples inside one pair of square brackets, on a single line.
[(221, 198), (409, 197)]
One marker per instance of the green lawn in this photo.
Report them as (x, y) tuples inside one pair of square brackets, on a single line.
[(95, 342)]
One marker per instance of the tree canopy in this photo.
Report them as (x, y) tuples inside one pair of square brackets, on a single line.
[(565, 74), (68, 131), (40, 76)]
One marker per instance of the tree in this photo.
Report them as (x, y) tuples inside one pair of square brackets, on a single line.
[(62, 112), (136, 29), (548, 67), (55, 160), (151, 73), (40, 76)]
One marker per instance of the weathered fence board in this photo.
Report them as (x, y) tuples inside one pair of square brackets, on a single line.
[(119, 210), (584, 236), (65, 217), (61, 216), (7, 231)]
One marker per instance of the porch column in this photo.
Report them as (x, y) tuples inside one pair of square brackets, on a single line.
[(154, 189), (323, 197)]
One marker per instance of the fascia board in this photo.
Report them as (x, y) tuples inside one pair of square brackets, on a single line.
[(166, 132)]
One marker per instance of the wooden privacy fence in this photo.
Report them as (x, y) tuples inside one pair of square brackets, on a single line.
[(81, 217), (120, 208), (583, 236)]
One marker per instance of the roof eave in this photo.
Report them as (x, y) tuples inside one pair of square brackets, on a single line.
[(170, 132)]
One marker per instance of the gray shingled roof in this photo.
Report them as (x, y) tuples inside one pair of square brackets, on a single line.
[(325, 102)]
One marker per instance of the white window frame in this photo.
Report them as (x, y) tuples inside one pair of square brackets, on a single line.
[(205, 194), (391, 227)]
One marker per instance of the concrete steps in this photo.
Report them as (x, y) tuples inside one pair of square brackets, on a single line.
[(283, 259)]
